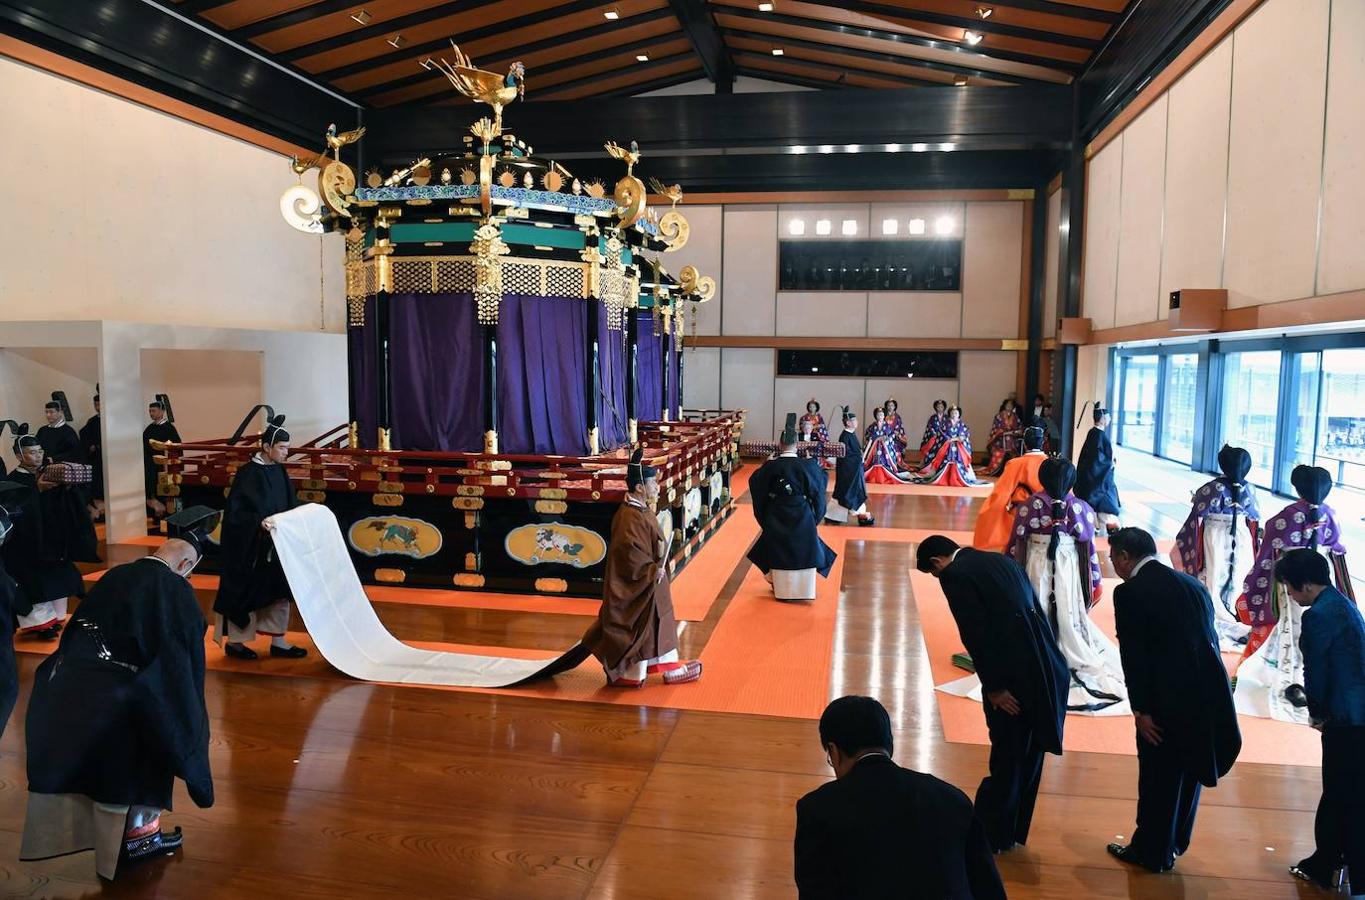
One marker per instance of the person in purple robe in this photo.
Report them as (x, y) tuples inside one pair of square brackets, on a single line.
[(1218, 542), (1270, 676), (933, 431), (1054, 540), (898, 436), (881, 462), (951, 465)]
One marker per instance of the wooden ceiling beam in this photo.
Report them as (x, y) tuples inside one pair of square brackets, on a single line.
[(700, 26), (910, 16), (905, 80)]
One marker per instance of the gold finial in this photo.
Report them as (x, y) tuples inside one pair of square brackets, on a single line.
[(337, 141), (496, 90), (673, 192), (629, 157)]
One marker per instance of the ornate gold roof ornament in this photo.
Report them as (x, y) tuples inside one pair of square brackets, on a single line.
[(498, 91), (630, 194)]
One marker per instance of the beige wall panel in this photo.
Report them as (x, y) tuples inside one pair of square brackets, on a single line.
[(822, 313), (1275, 164), (986, 377), (1144, 165), (991, 266), (914, 314), (915, 396), (703, 250), (1092, 381), (1051, 264), (831, 393), (28, 376), (1102, 233), (701, 378), (210, 390), (750, 273), (1196, 175), (811, 213), (1341, 261), (746, 382), (929, 212), (167, 221)]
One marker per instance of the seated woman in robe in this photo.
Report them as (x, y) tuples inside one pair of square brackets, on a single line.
[(812, 423), (900, 443), (1017, 483), (1054, 540), (881, 462), (933, 432), (951, 465), (1003, 442), (1218, 543)]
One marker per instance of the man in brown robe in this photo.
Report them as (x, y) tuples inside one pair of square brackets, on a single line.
[(635, 634)]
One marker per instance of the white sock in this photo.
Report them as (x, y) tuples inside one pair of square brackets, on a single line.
[(279, 641)]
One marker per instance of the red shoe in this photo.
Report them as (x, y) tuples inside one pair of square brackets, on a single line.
[(625, 682), (657, 668), (684, 673)]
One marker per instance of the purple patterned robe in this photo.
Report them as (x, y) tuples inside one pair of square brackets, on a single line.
[(1214, 498), (898, 435), (933, 435), (1034, 516), (880, 444), (1286, 531)]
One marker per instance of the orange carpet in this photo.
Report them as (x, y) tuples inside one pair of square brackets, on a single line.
[(1263, 740)]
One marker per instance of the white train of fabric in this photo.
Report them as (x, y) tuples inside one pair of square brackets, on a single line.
[(346, 631)]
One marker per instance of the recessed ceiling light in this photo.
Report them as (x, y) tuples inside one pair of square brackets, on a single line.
[(765, 7), (612, 14), (984, 12), (943, 225), (397, 41), (826, 148), (973, 37), (822, 226), (915, 226), (642, 57), (796, 227), (890, 226), (778, 51), (850, 227), (960, 81), (893, 148), (918, 147), (361, 18)]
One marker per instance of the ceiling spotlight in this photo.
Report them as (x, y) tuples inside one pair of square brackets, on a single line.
[(796, 227), (973, 37), (959, 81), (642, 57), (849, 227), (889, 226), (397, 41), (984, 12), (822, 226), (914, 226), (765, 7), (427, 63), (361, 18), (918, 147), (826, 148), (943, 225), (611, 14), (778, 51)]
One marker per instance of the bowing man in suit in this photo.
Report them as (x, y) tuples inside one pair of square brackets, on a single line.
[(882, 831), (1024, 679), (1187, 734)]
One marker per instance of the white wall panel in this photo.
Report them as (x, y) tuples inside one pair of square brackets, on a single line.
[(822, 313), (915, 396), (750, 246), (1051, 261), (703, 250), (210, 390), (28, 376), (746, 382), (1197, 175), (915, 314), (1140, 215), (992, 257), (986, 377), (1341, 260), (1102, 233), (831, 393), (701, 377), (1275, 164)]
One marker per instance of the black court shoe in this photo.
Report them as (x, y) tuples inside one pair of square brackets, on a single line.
[(288, 652), (159, 843), (240, 651), (1306, 873), (1296, 695), (1130, 856)]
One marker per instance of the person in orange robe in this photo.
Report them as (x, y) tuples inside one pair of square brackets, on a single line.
[(1017, 483)]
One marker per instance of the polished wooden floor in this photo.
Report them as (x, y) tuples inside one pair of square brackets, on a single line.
[(335, 789)]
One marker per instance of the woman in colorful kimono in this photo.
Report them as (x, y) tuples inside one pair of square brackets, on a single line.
[(881, 463), (1054, 540), (1270, 677), (897, 425), (1004, 440), (933, 432), (818, 429), (1219, 541), (952, 464)]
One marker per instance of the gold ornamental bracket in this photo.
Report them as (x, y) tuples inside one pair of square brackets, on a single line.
[(693, 282), (630, 194), (498, 91)]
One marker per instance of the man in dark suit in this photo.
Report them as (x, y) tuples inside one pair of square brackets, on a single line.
[(881, 831), (1187, 733), (1024, 679)]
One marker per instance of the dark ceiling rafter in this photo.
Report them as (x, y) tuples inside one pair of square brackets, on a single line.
[(970, 58), (700, 28), (984, 26), (786, 78), (493, 30), (517, 52), (315, 11), (905, 80), (1058, 9), (667, 81), (655, 63), (859, 53), (194, 7)]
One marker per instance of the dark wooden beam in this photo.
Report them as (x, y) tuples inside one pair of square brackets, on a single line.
[(904, 15), (700, 26), (786, 78), (640, 67), (655, 85), (194, 7), (1058, 9), (906, 80)]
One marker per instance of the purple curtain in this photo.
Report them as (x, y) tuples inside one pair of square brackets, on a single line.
[(674, 378), (611, 398), (542, 372), (649, 373), (436, 372), (365, 376)]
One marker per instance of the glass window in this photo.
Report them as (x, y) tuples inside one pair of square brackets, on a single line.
[(1306, 375), (1341, 416), (1177, 438), (1251, 400), (1137, 406)]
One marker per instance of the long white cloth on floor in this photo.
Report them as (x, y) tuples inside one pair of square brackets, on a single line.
[(346, 631)]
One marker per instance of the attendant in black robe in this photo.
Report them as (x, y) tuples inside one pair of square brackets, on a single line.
[(1024, 680), (253, 594), (1187, 733), (850, 484), (92, 443), (1095, 472), (789, 502), (117, 713), (159, 429), (59, 440), (879, 830), (52, 533)]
